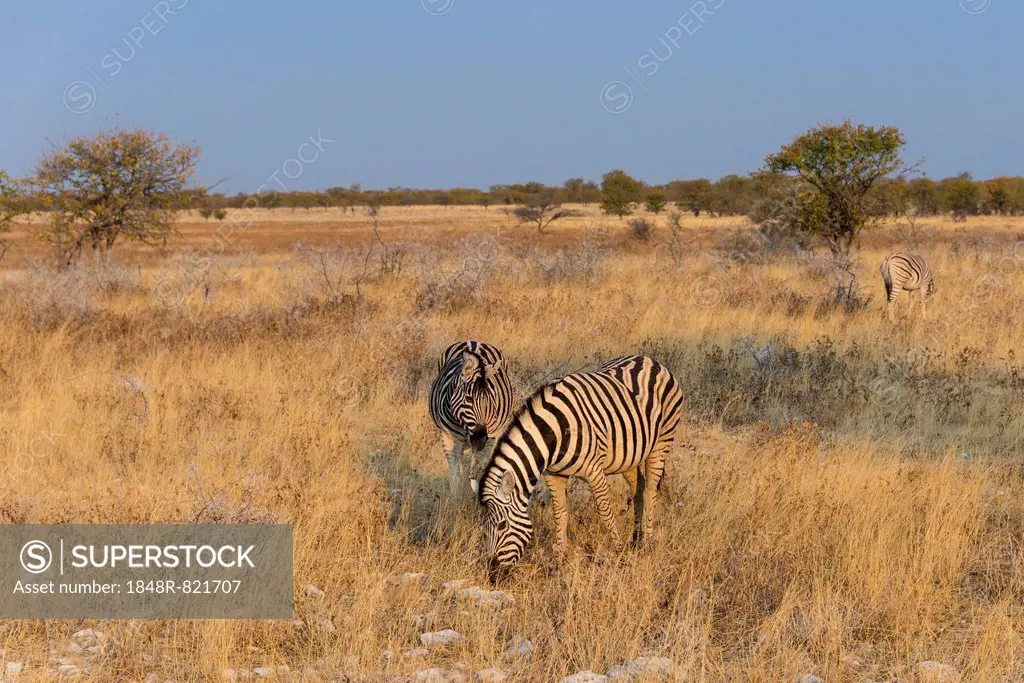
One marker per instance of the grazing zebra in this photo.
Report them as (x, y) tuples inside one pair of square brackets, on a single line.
[(470, 402), (619, 419), (906, 272)]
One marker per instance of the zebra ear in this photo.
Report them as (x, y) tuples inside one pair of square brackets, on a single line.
[(470, 363), (474, 485), (507, 486), (493, 369)]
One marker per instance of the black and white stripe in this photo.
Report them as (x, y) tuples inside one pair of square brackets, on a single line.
[(470, 402), (906, 272), (619, 419)]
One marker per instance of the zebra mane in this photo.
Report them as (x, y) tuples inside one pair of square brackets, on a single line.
[(492, 464)]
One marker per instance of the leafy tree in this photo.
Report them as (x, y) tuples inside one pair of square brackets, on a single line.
[(270, 199), (10, 207), (574, 189), (620, 192), (694, 195), (220, 214), (125, 183), (656, 202), (963, 196), (835, 169), (731, 196), (924, 197), (1002, 196)]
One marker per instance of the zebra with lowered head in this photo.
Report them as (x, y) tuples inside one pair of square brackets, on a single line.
[(906, 272), (619, 419), (470, 402)]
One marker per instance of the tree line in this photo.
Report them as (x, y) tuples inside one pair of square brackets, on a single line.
[(827, 184), (731, 195)]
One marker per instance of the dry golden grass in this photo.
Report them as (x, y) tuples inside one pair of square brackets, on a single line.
[(822, 517)]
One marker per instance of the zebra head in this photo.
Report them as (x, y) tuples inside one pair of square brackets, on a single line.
[(472, 395), (507, 523)]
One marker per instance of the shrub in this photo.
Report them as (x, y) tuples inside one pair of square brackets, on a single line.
[(641, 229)]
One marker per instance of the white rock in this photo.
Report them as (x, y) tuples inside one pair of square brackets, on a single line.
[(432, 676), (491, 676), (69, 670), (648, 668), (424, 620), (935, 672), (418, 652), (486, 598), (413, 577), (808, 678), (314, 592), (75, 649), (264, 671), (233, 675), (445, 637), (87, 634), (326, 625), (152, 677), (521, 648), (853, 662), (585, 677), (454, 584), (13, 668)]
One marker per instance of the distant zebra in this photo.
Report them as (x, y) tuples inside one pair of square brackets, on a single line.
[(620, 418), (906, 272), (470, 402)]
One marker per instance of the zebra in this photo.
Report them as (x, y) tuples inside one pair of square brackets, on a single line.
[(619, 419), (471, 400), (906, 272)]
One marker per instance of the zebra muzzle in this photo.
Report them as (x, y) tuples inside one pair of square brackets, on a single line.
[(496, 572), (478, 438)]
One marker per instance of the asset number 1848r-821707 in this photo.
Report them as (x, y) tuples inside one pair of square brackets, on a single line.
[(210, 586)]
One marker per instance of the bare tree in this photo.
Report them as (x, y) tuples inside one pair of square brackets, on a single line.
[(391, 257), (541, 211)]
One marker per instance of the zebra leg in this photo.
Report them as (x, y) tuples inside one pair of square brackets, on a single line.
[(602, 496), (631, 479), (924, 300), (891, 298), (639, 505), (469, 467), (453, 450), (654, 470), (556, 485)]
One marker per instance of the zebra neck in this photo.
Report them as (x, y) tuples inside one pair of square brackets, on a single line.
[(526, 467)]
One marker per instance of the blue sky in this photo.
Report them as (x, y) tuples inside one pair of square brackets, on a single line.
[(441, 93)]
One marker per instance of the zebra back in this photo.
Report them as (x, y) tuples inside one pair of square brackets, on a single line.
[(902, 271), (611, 418)]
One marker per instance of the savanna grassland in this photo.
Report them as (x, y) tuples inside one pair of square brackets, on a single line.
[(847, 499)]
